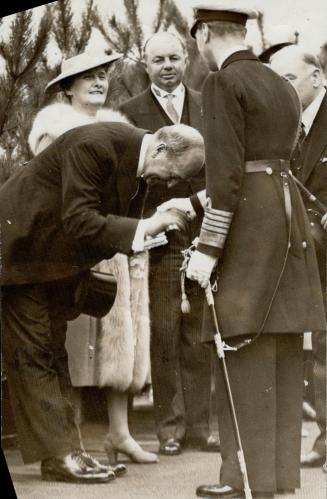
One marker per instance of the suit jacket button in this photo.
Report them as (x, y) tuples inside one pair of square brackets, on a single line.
[(269, 171), (304, 244)]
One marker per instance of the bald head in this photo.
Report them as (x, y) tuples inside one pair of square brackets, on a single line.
[(165, 60), (302, 69)]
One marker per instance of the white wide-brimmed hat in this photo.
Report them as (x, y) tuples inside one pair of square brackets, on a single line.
[(278, 37), (80, 63), (222, 10)]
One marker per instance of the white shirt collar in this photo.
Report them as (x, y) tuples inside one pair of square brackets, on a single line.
[(179, 91), (310, 113), (228, 52), (144, 146), (179, 96)]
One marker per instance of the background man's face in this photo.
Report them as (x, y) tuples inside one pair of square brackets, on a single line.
[(298, 73), (165, 62)]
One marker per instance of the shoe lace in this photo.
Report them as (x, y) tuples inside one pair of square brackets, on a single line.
[(77, 456), (89, 459)]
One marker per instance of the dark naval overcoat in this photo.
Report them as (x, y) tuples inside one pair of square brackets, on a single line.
[(268, 282), (251, 114)]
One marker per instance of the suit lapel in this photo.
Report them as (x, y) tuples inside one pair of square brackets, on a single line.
[(155, 112), (316, 141)]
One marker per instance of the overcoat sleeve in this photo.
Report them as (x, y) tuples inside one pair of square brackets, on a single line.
[(224, 136), (85, 171)]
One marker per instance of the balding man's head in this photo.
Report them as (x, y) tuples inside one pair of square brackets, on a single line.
[(302, 69), (165, 60), (175, 153)]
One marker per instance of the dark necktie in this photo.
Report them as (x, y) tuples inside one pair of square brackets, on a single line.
[(297, 158)]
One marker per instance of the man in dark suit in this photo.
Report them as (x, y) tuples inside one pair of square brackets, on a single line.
[(66, 210), (255, 228), (304, 71), (180, 365)]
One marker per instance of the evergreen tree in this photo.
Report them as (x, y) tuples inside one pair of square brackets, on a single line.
[(27, 72), (70, 35), (21, 53)]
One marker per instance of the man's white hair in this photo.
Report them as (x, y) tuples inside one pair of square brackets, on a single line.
[(179, 139)]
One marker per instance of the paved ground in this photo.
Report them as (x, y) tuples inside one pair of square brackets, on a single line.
[(173, 478)]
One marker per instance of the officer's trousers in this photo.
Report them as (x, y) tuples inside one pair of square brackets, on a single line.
[(267, 384)]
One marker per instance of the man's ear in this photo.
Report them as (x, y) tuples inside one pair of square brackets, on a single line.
[(144, 64), (160, 148), (316, 78)]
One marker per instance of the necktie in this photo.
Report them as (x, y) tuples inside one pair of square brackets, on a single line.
[(170, 108), (297, 157)]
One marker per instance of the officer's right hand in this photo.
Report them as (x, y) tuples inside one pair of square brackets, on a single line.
[(182, 204), (168, 220)]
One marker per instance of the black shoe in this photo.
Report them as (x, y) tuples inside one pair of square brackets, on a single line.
[(113, 471), (312, 460), (218, 491), (170, 447), (71, 469), (211, 444)]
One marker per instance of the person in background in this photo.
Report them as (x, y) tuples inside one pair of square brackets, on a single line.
[(61, 215), (268, 282), (180, 365), (100, 353), (277, 37), (303, 70)]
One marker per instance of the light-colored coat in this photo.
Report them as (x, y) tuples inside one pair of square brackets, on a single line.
[(113, 351)]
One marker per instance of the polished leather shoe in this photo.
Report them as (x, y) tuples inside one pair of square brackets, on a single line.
[(170, 447), (218, 491), (72, 469), (113, 471), (210, 444), (312, 460)]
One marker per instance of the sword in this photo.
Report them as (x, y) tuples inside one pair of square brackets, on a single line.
[(221, 355)]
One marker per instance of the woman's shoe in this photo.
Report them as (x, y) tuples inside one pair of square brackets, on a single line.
[(131, 449)]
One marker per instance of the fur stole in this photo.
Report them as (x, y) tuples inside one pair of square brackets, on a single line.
[(58, 118), (124, 344)]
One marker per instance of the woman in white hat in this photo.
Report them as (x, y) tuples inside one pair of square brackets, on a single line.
[(80, 93), (116, 355)]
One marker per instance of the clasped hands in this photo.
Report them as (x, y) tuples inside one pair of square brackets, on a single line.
[(200, 265)]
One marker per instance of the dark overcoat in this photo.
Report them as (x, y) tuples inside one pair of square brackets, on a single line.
[(67, 209), (252, 114), (310, 166), (313, 166)]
